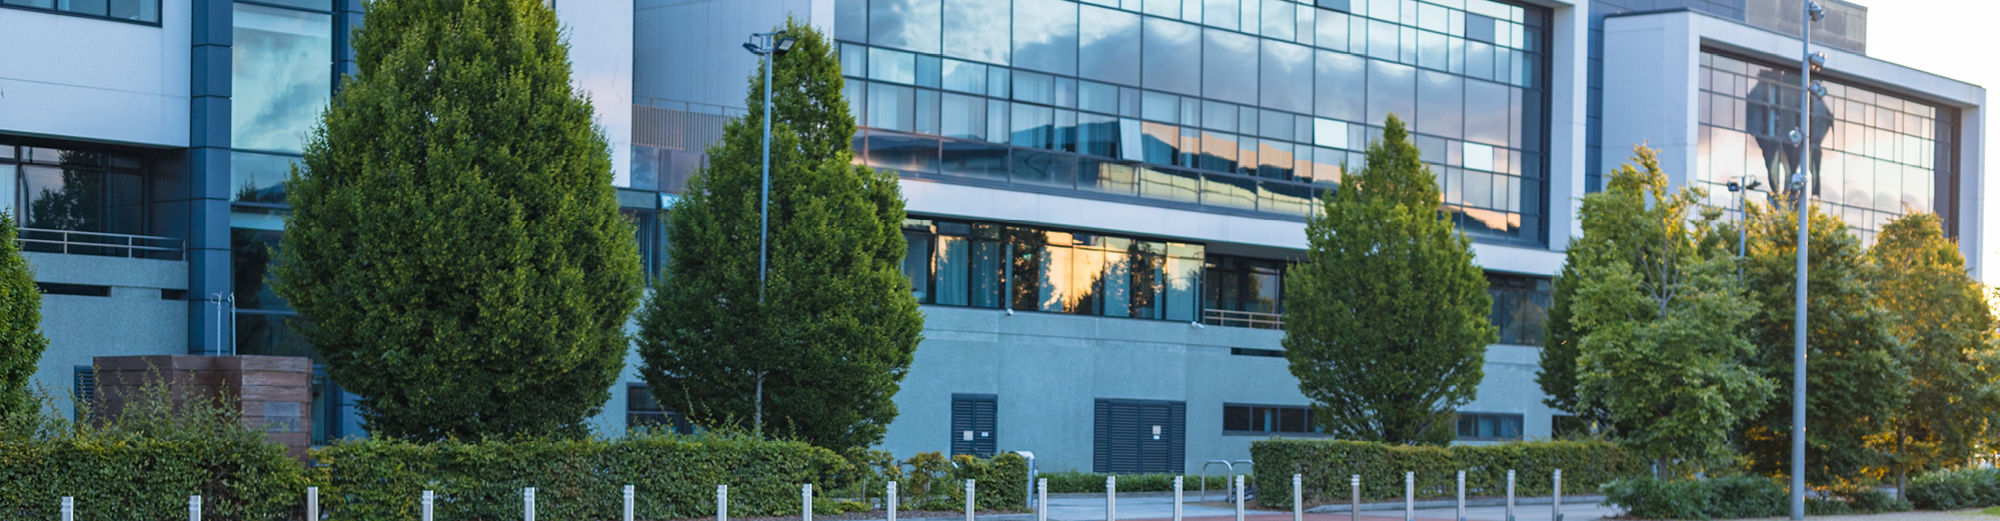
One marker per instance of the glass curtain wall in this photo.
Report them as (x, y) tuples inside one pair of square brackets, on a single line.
[(1872, 152), (1226, 105), (984, 265), (77, 190), (281, 76)]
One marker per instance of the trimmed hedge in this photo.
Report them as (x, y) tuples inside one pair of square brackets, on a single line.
[(1737, 497), (1956, 489), (674, 477), (1326, 465), (1073, 482), (124, 479)]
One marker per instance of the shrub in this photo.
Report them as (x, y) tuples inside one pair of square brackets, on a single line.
[(1072, 482), (1955, 489), (144, 463), (1326, 465), (674, 476), (1737, 497)]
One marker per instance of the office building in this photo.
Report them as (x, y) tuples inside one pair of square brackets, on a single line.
[(1104, 194)]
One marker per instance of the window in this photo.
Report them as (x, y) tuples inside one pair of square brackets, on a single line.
[(972, 424), (84, 382), (281, 78), (73, 190), (1249, 288), (642, 411), (1246, 419), (1520, 307), (1488, 427), (143, 11), (957, 263)]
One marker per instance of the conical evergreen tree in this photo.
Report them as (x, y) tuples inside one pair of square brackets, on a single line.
[(455, 245), (1855, 381), (819, 353), (1946, 328), (21, 342), (1387, 320)]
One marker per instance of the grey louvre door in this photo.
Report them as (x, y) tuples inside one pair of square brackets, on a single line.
[(972, 422), (1140, 436)]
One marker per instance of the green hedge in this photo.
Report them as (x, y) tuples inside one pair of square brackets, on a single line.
[(1956, 489), (1073, 482), (119, 480), (1326, 465), (674, 477), (1737, 497)]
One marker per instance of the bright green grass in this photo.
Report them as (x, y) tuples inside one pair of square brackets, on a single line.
[(1991, 511)]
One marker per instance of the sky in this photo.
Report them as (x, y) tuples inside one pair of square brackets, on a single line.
[(1955, 39)]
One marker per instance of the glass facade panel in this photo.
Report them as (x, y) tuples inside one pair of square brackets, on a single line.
[(147, 11), (1229, 67), (1108, 45), (1045, 36), (1287, 79), (1871, 152), (1172, 54), (281, 78), (977, 30), (911, 25)]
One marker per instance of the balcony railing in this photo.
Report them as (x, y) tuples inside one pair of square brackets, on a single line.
[(104, 244), (1249, 319)]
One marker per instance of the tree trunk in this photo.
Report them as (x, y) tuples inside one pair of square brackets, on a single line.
[(1660, 468), (1902, 468)]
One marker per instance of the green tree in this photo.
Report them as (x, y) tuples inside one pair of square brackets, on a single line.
[(1946, 328), (1854, 382), (821, 351), (1388, 318), (455, 244), (21, 342), (1557, 375), (1659, 347)]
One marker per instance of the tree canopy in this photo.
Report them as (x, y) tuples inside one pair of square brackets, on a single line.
[(21, 341), (455, 246), (820, 352), (1387, 319)]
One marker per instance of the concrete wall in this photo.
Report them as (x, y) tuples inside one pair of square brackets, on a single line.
[(101, 80), (134, 320)]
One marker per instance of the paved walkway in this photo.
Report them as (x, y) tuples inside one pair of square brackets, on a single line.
[(1152, 508)]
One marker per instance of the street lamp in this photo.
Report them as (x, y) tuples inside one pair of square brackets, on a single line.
[(1807, 62), (1742, 192), (769, 45)]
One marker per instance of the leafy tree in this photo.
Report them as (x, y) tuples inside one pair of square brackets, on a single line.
[(820, 352), (21, 342), (1387, 322), (1855, 384), (1659, 349), (1557, 375), (455, 244), (1946, 329)]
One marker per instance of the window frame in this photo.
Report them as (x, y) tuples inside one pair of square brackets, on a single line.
[(1458, 422), (1312, 428), (158, 5)]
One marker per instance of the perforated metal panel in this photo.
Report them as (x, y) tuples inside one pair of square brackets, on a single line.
[(973, 422), (1140, 436)]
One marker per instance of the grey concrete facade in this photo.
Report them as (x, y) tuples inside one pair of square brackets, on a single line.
[(132, 320)]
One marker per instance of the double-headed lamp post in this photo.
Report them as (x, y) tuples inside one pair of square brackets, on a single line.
[(769, 45), (1801, 136), (1742, 191)]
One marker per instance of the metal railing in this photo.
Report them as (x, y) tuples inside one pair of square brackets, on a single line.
[(104, 244), (1249, 319)]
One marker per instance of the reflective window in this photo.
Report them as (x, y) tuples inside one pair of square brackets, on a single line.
[(977, 30), (969, 264), (1488, 427), (1108, 48), (76, 190), (1520, 307), (1440, 104), (1259, 419), (910, 25), (1045, 35), (281, 78), (259, 178), (1287, 79), (1341, 82), (1392, 90), (1229, 67), (147, 11), (1222, 13), (1172, 56)]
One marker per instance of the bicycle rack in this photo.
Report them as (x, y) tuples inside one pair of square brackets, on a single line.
[(1229, 470)]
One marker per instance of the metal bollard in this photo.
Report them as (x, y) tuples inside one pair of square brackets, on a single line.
[(194, 508), (969, 495), (1298, 498), (1556, 511), (68, 508), (1354, 506), (631, 495), (1042, 499), (892, 501), (722, 503), (1239, 497), (312, 504), (1111, 498), (528, 504), (1177, 498), (805, 504), (428, 500), (1409, 496), (1510, 494), (1461, 496)]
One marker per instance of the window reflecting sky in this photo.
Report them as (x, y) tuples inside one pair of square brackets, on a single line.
[(281, 77)]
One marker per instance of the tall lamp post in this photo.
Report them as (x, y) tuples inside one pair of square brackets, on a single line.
[(1807, 89), (1742, 191), (769, 45)]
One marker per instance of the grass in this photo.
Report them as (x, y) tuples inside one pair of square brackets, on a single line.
[(1991, 511)]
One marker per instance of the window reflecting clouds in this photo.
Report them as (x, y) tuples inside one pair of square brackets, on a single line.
[(1229, 70), (281, 78), (1108, 48), (1172, 56), (977, 30), (1045, 36), (910, 25)]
